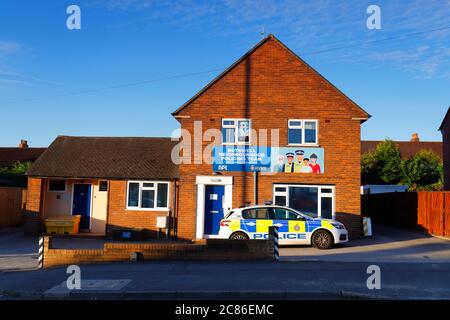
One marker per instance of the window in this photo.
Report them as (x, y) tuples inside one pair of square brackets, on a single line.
[(284, 214), (258, 213), (57, 186), (302, 132), (315, 201), (295, 132), (103, 186), (236, 131), (305, 200), (143, 195), (280, 198)]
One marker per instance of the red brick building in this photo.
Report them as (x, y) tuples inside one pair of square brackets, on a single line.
[(445, 130), (272, 87), (309, 161), (9, 156), (113, 183)]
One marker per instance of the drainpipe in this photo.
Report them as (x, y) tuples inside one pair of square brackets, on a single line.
[(173, 216), (255, 187)]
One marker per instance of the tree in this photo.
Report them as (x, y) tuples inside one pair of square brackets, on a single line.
[(382, 165), (15, 175), (369, 168), (20, 168), (423, 171)]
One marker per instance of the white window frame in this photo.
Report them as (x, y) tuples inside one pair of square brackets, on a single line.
[(302, 128), (155, 188), (320, 195), (236, 131), (57, 191)]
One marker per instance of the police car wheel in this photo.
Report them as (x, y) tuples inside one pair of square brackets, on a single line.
[(322, 239), (238, 236)]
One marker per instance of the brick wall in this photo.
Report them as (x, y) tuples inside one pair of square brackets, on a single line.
[(33, 207), (271, 86), (119, 217), (213, 249)]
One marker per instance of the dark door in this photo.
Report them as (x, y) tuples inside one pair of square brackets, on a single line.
[(82, 204), (213, 208)]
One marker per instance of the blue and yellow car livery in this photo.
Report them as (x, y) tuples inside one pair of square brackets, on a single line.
[(299, 229)]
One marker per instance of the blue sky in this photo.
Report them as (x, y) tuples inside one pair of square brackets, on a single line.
[(403, 83)]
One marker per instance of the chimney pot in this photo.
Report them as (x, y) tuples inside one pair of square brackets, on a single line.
[(415, 137), (23, 144)]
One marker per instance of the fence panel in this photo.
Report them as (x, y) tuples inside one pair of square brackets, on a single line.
[(12, 202), (447, 214), (429, 210), (396, 209), (434, 212), (422, 204)]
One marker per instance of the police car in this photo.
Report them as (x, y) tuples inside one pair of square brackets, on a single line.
[(293, 227)]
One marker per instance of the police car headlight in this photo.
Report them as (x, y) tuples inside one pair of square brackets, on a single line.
[(338, 225)]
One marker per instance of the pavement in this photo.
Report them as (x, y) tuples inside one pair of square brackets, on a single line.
[(388, 244), (413, 266), (17, 252)]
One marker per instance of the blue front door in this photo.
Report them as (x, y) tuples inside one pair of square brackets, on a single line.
[(213, 208), (82, 203)]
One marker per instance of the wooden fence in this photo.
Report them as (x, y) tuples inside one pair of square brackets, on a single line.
[(12, 202), (427, 210), (396, 209), (433, 212)]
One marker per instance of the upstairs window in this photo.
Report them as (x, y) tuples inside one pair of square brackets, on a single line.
[(236, 131), (302, 132)]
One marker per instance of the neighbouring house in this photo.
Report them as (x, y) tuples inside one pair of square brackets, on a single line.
[(9, 156), (23, 153), (407, 148), (445, 130), (112, 183), (310, 160)]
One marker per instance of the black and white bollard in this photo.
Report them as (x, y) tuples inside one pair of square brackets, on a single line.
[(273, 234), (41, 253)]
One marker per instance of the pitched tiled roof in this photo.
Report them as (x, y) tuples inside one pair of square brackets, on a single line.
[(9, 156), (259, 44), (407, 148), (107, 158)]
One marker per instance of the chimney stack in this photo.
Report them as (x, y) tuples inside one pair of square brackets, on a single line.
[(415, 137), (23, 144)]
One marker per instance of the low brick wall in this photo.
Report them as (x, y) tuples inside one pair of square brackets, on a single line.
[(32, 223), (211, 249)]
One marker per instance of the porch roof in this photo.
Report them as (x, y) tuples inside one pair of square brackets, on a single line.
[(107, 158)]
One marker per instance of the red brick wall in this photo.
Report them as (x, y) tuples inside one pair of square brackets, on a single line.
[(271, 86), (120, 217), (213, 249), (33, 213), (34, 195)]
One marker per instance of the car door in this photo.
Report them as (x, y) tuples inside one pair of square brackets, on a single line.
[(256, 222), (292, 227)]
